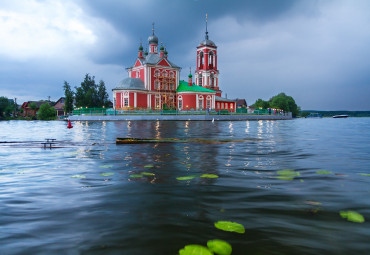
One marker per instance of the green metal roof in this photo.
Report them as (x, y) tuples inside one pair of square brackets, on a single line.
[(183, 87)]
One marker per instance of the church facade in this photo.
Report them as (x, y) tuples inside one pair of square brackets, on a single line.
[(154, 82)]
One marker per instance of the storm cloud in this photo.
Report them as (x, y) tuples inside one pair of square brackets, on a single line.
[(315, 51)]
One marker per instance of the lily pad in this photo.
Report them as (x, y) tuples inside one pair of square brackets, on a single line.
[(285, 178), (209, 176), (288, 172), (78, 176), (195, 249), (364, 174), (185, 178), (352, 216), (106, 166), (230, 226), (311, 202), (219, 247), (148, 166), (136, 175), (106, 174), (323, 172), (146, 173)]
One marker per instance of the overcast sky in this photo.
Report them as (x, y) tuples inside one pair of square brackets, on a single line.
[(318, 52)]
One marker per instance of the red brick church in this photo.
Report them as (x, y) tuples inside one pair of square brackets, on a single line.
[(154, 82)]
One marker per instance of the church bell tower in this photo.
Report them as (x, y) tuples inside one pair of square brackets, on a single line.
[(206, 73)]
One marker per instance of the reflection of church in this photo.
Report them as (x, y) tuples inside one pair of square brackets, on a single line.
[(154, 82)]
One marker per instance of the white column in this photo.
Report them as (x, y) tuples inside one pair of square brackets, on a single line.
[(135, 99), (197, 101)]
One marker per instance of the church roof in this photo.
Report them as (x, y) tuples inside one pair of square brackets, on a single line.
[(131, 83), (222, 99), (184, 87), (207, 42), (154, 59)]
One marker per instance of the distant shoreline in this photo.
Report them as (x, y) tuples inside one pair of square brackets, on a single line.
[(178, 117)]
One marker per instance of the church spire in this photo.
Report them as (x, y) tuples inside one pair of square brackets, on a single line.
[(206, 28)]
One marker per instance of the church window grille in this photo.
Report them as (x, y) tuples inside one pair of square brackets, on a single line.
[(200, 83), (156, 84), (157, 101)]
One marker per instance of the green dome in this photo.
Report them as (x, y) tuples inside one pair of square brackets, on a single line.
[(141, 47), (190, 76)]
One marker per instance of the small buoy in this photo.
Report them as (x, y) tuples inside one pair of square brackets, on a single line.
[(69, 124)]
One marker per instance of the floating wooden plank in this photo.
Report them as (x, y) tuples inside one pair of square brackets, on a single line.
[(172, 140)]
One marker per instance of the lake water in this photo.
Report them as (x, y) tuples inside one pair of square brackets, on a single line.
[(84, 198)]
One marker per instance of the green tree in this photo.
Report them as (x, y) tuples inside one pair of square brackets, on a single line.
[(102, 95), (261, 104), (87, 95), (285, 103), (46, 112), (4, 104), (33, 106), (68, 94)]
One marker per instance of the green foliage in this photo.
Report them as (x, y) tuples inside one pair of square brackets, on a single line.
[(195, 249), (285, 103), (106, 174), (68, 94), (6, 107), (91, 95), (280, 101), (102, 95), (230, 226), (33, 106), (209, 176), (46, 112), (323, 172), (136, 175), (261, 104), (352, 216), (219, 247), (186, 178)]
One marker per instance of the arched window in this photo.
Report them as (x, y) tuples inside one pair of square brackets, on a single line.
[(156, 73), (180, 102), (156, 84), (157, 101), (210, 61), (208, 102), (201, 100), (201, 59), (226, 105), (200, 79), (218, 105), (172, 75), (164, 73), (211, 80), (172, 86), (222, 105)]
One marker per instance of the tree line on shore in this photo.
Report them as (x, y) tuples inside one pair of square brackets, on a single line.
[(89, 94), (280, 101)]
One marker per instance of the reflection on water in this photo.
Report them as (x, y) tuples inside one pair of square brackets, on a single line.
[(95, 197)]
